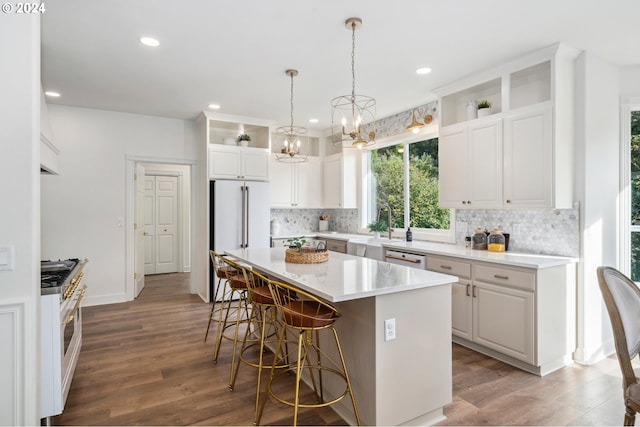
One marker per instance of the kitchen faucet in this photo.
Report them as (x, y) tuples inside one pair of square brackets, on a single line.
[(388, 206)]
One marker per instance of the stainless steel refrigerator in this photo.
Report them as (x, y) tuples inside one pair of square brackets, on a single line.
[(239, 215)]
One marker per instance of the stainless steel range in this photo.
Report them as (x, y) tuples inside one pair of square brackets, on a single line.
[(61, 330)]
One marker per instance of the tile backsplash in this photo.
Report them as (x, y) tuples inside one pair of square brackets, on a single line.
[(306, 220), (539, 231)]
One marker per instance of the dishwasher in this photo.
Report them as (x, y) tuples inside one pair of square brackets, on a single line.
[(406, 259)]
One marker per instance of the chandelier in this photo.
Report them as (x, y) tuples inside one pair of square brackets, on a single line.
[(290, 152), (356, 113)]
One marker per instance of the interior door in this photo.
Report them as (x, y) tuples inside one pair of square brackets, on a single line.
[(149, 225), (138, 230), (166, 226)]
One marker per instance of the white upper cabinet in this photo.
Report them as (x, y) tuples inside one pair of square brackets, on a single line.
[(296, 185), (533, 108), (340, 180), (473, 155), (228, 160)]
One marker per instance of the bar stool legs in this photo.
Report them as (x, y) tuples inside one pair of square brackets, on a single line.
[(307, 314), (222, 273)]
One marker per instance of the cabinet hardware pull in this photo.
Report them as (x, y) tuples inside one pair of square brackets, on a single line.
[(498, 276), (77, 306), (468, 202), (473, 289), (415, 261), (445, 267), (508, 200), (464, 202), (468, 286)]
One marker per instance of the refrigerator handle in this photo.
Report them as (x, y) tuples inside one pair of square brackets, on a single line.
[(242, 245), (246, 245)]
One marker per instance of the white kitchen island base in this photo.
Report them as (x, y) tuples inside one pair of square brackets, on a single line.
[(406, 381)]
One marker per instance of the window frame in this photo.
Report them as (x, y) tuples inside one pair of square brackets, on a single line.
[(429, 132), (628, 105)]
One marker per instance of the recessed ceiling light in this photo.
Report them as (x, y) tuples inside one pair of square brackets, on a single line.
[(313, 120), (214, 106), (149, 41), (52, 94), (423, 70)]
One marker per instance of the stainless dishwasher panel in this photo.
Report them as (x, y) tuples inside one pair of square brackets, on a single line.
[(406, 259)]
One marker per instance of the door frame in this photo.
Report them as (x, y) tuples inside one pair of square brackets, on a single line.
[(129, 251)]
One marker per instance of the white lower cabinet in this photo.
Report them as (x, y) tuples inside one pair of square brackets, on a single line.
[(522, 316)]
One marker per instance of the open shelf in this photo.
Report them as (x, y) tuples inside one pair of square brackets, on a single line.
[(225, 133), (530, 86), (454, 106)]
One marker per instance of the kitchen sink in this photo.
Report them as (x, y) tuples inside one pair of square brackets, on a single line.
[(371, 247)]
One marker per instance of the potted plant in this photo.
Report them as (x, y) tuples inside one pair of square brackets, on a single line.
[(244, 139), (376, 227), (296, 242), (484, 108)]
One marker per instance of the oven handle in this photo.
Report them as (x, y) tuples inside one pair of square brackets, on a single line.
[(415, 261), (77, 306)]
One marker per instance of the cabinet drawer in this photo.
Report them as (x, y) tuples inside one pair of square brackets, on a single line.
[(506, 276), (337, 246), (449, 266)]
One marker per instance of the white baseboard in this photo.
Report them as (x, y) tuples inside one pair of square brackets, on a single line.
[(89, 301), (586, 356)]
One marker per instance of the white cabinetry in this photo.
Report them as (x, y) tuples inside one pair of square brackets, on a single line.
[(229, 162), (48, 151), (534, 98), (522, 316), (473, 155), (340, 181), (296, 185)]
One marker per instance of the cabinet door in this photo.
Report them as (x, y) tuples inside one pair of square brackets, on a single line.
[(453, 171), (281, 177), (485, 164), (308, 183), (461, 309), (333, 181), (528, 159), (225, 163), (503, 320), (255, 164)]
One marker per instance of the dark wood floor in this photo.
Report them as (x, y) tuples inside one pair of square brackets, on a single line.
[(145, 363)]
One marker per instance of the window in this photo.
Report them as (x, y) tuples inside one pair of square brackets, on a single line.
[(405, 176), (634, 149)]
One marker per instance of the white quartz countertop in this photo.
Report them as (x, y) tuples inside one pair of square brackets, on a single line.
[(343, 277), (515, 259)]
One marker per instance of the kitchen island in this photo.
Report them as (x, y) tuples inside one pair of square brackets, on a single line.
[(406, 380)]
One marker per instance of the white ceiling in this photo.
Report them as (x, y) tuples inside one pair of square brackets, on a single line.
[(234, 52)]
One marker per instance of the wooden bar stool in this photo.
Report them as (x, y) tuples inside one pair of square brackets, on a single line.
[(221, 272), (237, 284), (265, 317), (306, 314)]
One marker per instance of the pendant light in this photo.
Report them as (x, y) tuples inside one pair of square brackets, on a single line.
[(355, 113), (293, 135)]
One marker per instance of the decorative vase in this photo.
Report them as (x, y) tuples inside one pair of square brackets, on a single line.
[(472, 110), (482, 112), (376, 234), (244, 143)]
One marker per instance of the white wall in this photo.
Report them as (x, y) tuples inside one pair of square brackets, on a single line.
[(597, 188), (81, 206), (630, 81), (19, 219)]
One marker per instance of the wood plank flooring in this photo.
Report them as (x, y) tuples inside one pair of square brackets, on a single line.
[(145, 363)]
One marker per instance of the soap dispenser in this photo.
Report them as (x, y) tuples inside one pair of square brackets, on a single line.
[(409, 235)]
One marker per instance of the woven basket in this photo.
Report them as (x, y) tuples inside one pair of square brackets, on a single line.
[(305, 256)]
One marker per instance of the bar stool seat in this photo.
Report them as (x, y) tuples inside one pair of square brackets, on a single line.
[(306, 315)]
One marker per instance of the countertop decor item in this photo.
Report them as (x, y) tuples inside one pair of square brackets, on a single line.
[(306, 255), (293, 135), (376, 227), (484, 108), (356, 113), (244, 139)]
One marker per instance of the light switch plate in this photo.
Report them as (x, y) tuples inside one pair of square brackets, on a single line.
[(7, 258)]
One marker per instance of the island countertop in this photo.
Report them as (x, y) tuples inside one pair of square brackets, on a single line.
[(343, 277)]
